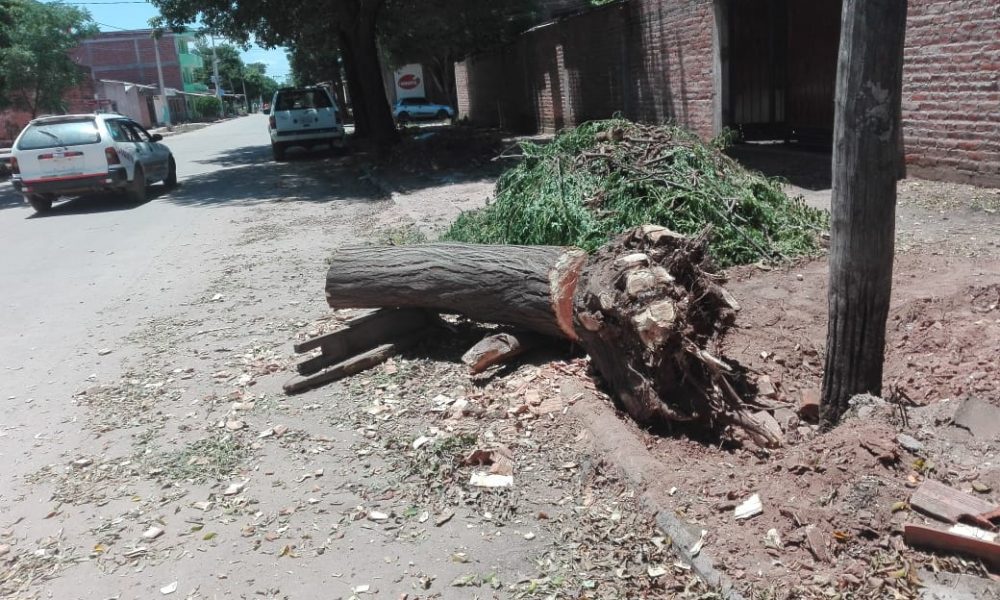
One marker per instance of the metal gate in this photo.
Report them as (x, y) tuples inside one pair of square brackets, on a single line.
[(782, 68)]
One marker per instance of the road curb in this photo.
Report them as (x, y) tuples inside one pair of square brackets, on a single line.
[(619, 446)]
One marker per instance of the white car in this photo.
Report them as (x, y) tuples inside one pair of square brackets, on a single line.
[(304, 117), (79, 154), (418, 108)]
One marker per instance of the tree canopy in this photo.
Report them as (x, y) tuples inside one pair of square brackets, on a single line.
[(324, 34), (35, 40)]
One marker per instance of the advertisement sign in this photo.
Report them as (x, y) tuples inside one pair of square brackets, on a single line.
[(409, 81)]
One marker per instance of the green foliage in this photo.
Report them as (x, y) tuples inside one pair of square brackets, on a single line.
[(606, 177), (35, 39), (207, 107)]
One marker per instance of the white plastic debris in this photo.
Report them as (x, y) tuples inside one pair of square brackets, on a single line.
[(488, 480), (750, 508)]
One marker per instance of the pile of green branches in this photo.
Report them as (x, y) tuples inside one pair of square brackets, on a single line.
[(605, 177)]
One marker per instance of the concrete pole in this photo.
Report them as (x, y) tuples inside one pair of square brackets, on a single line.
[(215, 69), (163, 90)]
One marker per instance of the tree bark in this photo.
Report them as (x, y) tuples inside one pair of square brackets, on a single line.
[(359, 106), (643, 307), (528, 286), (866, 161), (359, 40)]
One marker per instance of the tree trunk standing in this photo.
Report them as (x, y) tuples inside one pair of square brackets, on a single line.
[(359, 37), (866, 161), (359, 107)]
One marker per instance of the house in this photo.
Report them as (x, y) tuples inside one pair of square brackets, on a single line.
[(123, 68), (763, 67)]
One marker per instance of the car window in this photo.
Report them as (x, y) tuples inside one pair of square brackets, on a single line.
[(59, 134), (119, 133), (299, 99), (138, 133)]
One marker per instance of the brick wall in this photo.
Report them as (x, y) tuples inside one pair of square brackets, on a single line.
[(655, 61), (130, 56), (650, 60), (951, 90)]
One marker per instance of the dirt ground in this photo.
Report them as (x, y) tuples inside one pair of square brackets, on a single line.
[(200, 478), (943, 347)]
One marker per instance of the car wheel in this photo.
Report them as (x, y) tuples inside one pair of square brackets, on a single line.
[(403, 117), (171, 180), (136, 191), (39, 203), (442, 114), (279, 151)]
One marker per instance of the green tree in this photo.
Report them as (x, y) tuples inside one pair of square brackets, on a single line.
[(35, 64), (351, 22), (6, 30), (258, 84), (230, 65), (436, 34)]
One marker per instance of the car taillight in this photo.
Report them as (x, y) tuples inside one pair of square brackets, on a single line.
[(272, 123), (112, 155), (16, 170)]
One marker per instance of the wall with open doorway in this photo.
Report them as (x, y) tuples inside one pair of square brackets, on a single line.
[(766, 68)]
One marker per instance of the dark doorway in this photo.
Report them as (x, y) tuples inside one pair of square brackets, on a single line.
[(782, 64)]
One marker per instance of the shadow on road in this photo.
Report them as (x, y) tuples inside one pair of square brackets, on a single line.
[(311, 178), (95, 203), (261, 156), (9, 198)]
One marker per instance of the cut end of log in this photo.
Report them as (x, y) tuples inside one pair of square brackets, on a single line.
[(647, 309), (563, 279)]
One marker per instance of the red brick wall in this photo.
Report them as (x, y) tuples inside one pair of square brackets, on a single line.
[(649, 59), (129, 56), (654, 61), (951, 90)]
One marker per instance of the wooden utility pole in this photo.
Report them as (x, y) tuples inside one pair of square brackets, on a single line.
[(867, 157)]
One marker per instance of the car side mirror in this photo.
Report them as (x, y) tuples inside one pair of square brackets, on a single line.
[(157, 137)]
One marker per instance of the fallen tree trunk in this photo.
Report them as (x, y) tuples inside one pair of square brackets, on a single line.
[(646, 308), (529, 286)]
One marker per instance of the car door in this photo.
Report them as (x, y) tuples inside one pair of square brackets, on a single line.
[(152, 158), (125, 144), (423, 107)]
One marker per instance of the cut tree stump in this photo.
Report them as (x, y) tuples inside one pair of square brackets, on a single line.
[(646, 308)]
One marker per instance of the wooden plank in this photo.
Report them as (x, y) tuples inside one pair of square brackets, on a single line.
[(353, 365), (946, 503), (366, 332), (946, 541)]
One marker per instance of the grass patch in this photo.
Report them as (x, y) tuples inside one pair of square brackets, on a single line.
[(605, 177)]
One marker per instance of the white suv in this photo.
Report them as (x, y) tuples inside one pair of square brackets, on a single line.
[(303, 117), (78, 154), (419, 108)]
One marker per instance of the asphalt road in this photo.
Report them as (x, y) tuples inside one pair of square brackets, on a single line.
[(80, 277)]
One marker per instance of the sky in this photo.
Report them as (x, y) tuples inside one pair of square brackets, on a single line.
[(112, 15)]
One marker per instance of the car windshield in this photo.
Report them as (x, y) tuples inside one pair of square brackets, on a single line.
[(415, 101), (58, 134), (303, 99)]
